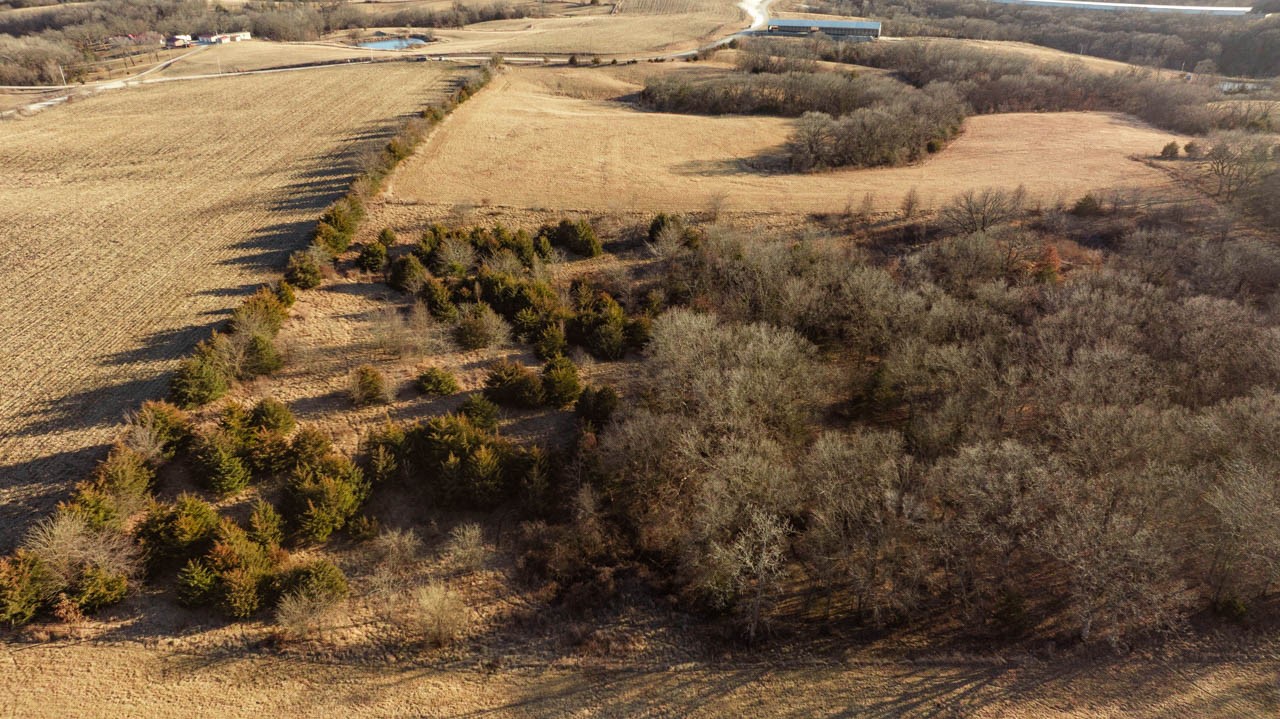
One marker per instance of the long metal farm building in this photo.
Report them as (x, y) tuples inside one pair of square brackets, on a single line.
[(853, 29)]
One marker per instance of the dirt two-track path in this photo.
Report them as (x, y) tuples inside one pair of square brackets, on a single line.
[(125, 679)]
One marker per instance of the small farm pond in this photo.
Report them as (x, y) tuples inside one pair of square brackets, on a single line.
[(395, 43)]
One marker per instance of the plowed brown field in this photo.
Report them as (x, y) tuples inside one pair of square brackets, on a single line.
[(134, 220)]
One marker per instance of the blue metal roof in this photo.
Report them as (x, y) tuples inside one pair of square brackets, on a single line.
[(822, 24)]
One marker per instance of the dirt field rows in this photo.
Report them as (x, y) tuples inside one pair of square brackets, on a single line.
[(256, 55), (625, 158), (135, 220)]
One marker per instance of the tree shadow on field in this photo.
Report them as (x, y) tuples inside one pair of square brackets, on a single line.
[(326, 179), (97, 407), (168, 344), (836, 691), (770, 161), (34, 487), (243, 290), (268, 248)]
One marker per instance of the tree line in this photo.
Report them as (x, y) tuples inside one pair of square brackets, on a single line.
[(998, 82), (847, 120), (1238, 46)]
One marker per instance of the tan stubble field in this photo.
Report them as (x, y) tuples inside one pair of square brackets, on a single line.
[(134, 220)]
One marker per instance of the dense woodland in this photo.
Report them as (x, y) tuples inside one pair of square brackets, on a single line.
[(852, 119), (1244, 46), (1014, 441)]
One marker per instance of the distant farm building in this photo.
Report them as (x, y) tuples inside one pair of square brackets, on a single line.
[(852, 29), (177, 41), (224, 38)]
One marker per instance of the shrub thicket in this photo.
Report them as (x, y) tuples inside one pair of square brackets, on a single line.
[(177, 532), (436, 381), (372, 257), (560, 383), (368, 386), (201, 378), (306, 269), (324, 496), (462, 465), (577, 237), (479, 327), (70, 561), (512, 384), (219, 460), (480, 411)]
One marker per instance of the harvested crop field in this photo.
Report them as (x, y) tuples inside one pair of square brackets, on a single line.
[(258, 55), (589, 153), (647, 29), (140, 217)]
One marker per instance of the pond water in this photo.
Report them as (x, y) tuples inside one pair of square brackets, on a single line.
[(395, 43)]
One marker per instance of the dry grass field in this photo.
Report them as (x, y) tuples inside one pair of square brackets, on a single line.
[(139, 218), (1050, 55), (160, 679), (647, 26), (600, 153)]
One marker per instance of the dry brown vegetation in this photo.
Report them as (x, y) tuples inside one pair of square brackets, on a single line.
[(519, 653), (626, 158), (604, 602), (138, 219)]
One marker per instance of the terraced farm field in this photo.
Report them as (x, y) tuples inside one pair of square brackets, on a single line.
[(258, 55), (135, 219)]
